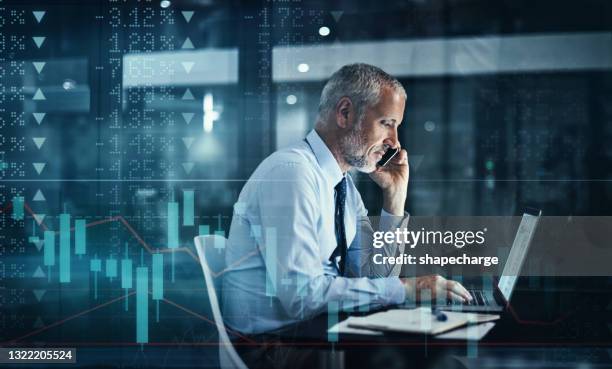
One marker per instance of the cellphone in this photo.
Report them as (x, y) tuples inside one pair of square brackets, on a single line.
[(389, 154)]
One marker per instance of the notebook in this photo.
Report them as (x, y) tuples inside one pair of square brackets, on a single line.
[(472, 332), (420, 320)]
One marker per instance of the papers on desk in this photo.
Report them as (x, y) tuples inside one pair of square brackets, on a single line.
[(344, 327), (419, 321), (467, 333)]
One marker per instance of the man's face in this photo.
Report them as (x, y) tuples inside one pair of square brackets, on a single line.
[(368, 140)]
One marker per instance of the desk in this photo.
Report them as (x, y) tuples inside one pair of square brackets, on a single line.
[(537, 333)]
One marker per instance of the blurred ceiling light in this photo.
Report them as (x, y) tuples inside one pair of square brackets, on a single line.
[(207, 149), (165, 3), (429, 126), (68, 84), (324, 31), (291, 99), (579, 51), (303, 68), (210, 115)]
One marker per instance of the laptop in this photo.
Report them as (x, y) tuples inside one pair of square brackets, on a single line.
[(498, 299)]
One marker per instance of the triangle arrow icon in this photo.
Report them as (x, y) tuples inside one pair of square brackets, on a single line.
[(39, 273), (39, 66), (188, 141), (39, 95), (39, 141), (337, 14), (39, 15), (39, 196), (39, 167), (39, 117), (187, 44), (415, 161), (39, 218), (38, 323), (187, 14), (39, 244), (39, 40), (188, 117), (188, 167), (39, 294), (187, 66), (188, 95)]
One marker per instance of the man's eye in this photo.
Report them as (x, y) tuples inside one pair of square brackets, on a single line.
[(386, 123)]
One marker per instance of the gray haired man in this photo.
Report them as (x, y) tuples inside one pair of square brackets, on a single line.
[(294, 247)]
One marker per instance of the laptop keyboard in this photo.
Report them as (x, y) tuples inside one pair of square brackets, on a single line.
[(478, 299)]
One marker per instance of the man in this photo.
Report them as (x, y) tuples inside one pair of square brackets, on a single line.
[(300, 242)]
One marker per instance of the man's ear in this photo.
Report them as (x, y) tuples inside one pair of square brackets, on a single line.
[(344, 112)]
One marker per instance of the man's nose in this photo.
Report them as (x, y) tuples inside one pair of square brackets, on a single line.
[(392, 140)]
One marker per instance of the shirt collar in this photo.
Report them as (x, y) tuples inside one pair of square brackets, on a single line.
[(327, 161)]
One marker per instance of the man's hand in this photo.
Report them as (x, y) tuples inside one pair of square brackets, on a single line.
[(437, 286), (393, 180)]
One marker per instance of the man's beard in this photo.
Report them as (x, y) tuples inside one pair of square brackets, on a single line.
[(352, 147)]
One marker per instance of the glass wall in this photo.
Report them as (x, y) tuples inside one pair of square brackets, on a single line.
[(116, 112)]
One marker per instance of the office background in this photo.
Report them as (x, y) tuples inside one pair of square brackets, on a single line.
[(122, 114)]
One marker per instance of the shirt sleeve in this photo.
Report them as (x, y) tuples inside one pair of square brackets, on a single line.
[(290, 211), (390, 222), (361, 252)]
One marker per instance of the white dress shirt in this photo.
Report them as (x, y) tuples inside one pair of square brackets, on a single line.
[(281, 239)]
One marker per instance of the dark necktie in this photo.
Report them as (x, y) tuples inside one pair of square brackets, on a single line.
[(341, 247)]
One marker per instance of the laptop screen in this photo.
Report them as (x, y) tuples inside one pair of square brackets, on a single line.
[(512, 269)]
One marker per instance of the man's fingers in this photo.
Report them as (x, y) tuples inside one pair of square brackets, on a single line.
[(403, 155), (401, 158), (458, 289), (440, 286), (450, 294)]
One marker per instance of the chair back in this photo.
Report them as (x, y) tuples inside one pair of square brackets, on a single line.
[(211, 252)]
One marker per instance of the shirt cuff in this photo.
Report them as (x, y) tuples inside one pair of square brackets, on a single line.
[(390, 222), (396, 292)]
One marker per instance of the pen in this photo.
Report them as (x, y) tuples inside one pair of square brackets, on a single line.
[(440, 316)]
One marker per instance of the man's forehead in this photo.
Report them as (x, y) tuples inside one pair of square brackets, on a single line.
[(390, 106)]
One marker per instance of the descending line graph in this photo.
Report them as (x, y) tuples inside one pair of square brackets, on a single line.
[(151, 250), (139, 239)]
